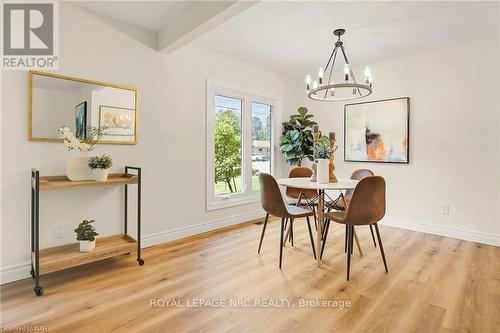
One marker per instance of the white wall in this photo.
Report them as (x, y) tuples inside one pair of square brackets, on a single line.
[(171, 149), (56, 107), (454, 140)]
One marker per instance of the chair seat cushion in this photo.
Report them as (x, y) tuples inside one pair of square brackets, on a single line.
[(296, 212), (336, 216)]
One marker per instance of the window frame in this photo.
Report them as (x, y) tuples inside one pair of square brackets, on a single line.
[(247, 195)]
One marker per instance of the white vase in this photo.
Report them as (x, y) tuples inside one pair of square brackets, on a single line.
[(87, 246), (322, 170), (77, 168), (101, 175)]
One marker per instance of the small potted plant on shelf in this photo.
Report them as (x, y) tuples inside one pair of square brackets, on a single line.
[(85, 234), (100, 167)]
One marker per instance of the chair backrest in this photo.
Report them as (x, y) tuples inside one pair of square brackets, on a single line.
[(357, 175), (361, 173), (367, 204), (298, 172), (270, 196)]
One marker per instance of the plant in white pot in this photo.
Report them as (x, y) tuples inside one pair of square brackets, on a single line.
[(76, 167), (85, 234), (100, 167)]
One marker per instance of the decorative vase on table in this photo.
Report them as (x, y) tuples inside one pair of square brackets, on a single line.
[(77, 168), (322, 171)]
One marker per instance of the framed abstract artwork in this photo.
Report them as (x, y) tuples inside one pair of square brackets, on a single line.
[(117, 121), (377, 131), (81, 120)]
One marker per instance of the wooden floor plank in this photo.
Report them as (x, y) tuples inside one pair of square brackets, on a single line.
[(434, 284)]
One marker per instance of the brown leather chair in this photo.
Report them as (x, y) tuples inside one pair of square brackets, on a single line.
[(273, 203), (292, 193), (356, 175), (338, 204), (303, 198), (366, 207)]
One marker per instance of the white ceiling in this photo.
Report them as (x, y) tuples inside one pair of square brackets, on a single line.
[(152, 15), (295, 38)]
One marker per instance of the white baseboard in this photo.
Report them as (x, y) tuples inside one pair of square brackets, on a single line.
[(468, 235), (22, 271), (170, 235), (15, 272)]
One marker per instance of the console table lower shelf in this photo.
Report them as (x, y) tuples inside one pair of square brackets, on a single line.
[(66, 256)]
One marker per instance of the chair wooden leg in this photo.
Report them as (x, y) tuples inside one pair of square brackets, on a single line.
[(346, 238), (381, 247), (291, 231), (263, 232), (281, 239), (325, 235), (373, 236), (357, 241), (315, 219), (287, 232), (349, 249), (311, 236)]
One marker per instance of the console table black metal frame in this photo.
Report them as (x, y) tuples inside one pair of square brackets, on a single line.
[(60, 182)]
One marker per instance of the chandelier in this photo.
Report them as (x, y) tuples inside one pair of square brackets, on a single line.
[(344, 90)]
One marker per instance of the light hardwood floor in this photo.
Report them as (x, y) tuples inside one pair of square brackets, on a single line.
[(434, 284)]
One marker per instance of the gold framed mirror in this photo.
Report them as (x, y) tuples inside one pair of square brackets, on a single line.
[(56, 101)]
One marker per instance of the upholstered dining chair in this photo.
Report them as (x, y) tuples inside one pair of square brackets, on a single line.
[(294, 194), (273, 203), (299, 197), (338, 204), (366, 207)]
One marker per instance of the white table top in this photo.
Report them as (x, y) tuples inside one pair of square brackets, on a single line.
[(305, 183)]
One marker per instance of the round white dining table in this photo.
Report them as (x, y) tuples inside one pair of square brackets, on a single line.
[(307, 184)]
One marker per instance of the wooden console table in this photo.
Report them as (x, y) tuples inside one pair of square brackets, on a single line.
[(61, 257)]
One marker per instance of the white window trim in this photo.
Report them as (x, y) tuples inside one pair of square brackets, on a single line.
[(214, 202)]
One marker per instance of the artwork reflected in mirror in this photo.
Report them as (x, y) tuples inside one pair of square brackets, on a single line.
[(377, 131), (117, 121), (81, 120), (59, 101)]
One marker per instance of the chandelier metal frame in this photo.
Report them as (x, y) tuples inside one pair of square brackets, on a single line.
[(326, 91)]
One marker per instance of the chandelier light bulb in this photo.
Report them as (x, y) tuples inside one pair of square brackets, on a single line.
[(315, 84), (368, 75), (308, 79), (321, 72), (367, 72), (308, 82), (347, 69)]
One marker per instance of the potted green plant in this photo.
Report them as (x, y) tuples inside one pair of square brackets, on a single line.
[(296, 142), (85, 234), (100, 167)]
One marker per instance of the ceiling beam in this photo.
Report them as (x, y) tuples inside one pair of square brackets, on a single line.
[(202, 18)]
